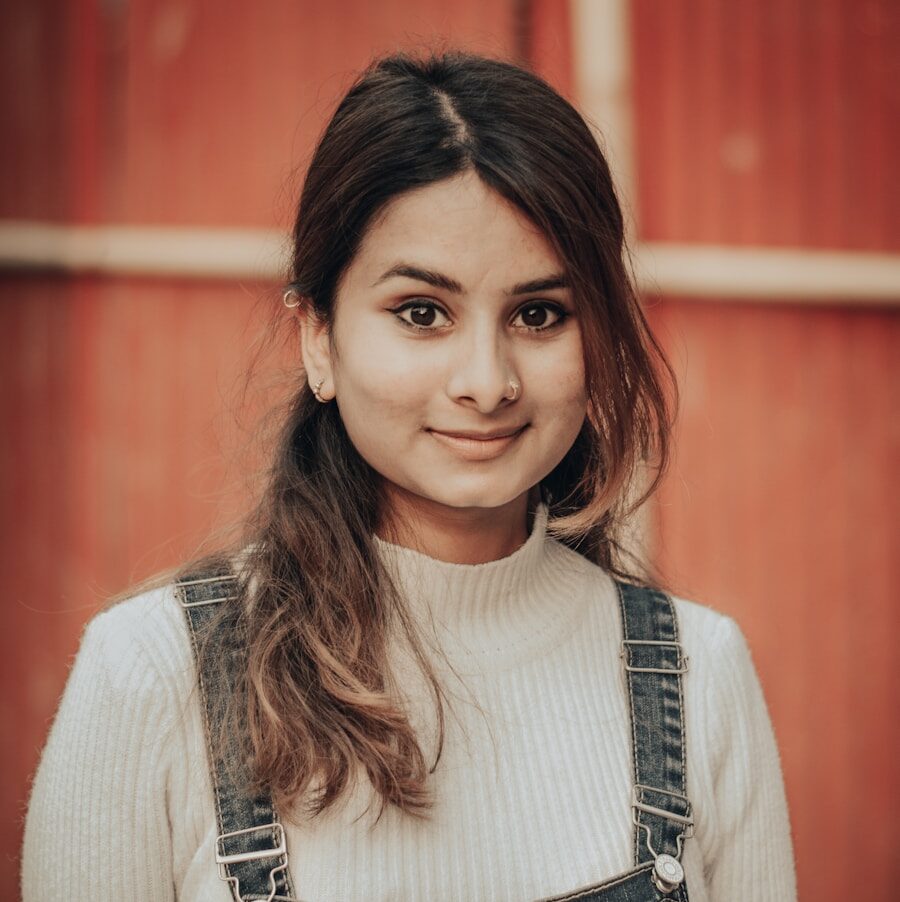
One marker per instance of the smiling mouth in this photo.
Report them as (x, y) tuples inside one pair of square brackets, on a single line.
[(479, 436), (477, 448)]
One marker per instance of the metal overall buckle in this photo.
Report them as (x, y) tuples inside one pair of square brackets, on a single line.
[(668, 874), (280, 850), (681, 667), (229, 577)]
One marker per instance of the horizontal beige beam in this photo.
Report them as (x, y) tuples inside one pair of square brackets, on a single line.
[(682, 270), (144, 250), (767, 274)]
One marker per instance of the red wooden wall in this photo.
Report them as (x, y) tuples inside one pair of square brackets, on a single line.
[(776, 123), (757, 124)]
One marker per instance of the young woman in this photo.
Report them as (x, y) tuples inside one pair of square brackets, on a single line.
[(440, 535)]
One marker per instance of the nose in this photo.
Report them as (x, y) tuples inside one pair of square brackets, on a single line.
[(481, 371)]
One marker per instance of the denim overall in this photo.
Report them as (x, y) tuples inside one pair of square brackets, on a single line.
[(251, 852)]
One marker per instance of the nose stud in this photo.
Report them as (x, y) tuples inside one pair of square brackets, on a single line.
[(515, 389)]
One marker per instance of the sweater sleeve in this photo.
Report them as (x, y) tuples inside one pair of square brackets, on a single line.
[(749, 855), (97, 824)]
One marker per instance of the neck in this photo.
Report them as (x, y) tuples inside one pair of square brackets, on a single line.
[(458, 535), (491, 614)]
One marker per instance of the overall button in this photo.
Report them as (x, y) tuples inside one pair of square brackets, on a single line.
[(667, 873)]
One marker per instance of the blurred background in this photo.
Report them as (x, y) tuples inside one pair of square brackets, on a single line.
[(152, 152)]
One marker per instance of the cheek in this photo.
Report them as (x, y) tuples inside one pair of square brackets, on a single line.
[(384, 393), (372, 371), (558, 379), (383, 402)]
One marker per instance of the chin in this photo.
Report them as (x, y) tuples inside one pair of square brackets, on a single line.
[(478, 497)]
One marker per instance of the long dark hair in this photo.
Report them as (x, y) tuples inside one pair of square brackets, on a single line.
[(316, 701)]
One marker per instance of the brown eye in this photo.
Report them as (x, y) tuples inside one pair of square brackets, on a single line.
[(419, 316), (534, 316)]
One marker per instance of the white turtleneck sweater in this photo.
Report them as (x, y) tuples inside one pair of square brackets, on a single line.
[(532, 795)]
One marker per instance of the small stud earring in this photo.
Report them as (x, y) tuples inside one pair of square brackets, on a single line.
[(315, 391), (291, 293)]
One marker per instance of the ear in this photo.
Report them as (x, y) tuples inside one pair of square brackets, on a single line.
[(315, 347)]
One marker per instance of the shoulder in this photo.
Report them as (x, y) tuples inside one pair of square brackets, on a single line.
[(142, 642), (700, 625), (131, 681), (726, 695), (705, 627), (712, 639), (715, 646)]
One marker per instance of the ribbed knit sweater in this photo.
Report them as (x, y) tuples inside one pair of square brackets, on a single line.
[(532, 790)]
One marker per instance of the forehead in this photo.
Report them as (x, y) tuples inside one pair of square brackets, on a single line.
[(458, 225)]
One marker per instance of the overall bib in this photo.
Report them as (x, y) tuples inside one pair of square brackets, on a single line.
[(251, 852)]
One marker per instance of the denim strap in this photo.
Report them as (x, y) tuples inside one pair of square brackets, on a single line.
[(654, 662), (251, 852)]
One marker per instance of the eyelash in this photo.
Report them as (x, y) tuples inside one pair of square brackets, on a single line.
[(561, 313)]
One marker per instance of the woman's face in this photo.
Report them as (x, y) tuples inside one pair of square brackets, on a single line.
[(432, 320)]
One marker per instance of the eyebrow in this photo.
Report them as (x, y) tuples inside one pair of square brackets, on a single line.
[(439, 280)]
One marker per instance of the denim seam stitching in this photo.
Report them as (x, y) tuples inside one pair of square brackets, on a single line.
[(628, 681), (579, 894), (682, 725), (204, 709), (203, 706)]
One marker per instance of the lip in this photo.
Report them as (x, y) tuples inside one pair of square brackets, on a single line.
[(480, 436), (478, 445)]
